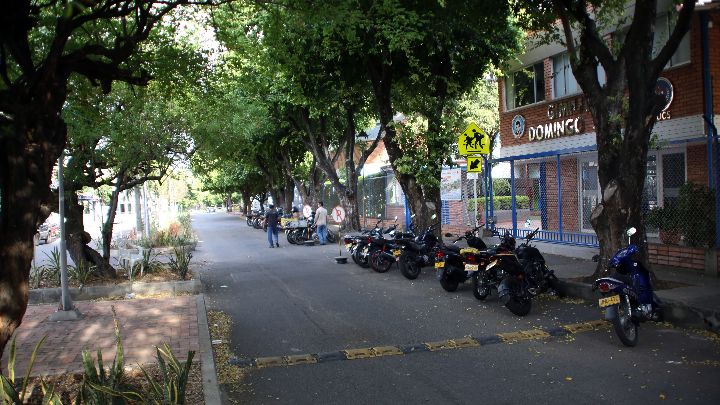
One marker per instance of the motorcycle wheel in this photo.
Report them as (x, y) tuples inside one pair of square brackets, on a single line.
[(290, 235), (363, 259), (480, 290), (409, 266), (554, 283), (379, 263), (625, 328), (248, 220), (256, 224), (353, 254), (447, 284), (331, 238), (519, 306)]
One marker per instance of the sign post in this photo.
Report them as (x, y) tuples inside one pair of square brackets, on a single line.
[(338, 215), (474, 144)]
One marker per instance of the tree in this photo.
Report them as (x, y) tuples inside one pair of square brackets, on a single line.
[(41, 46), (624, 110)]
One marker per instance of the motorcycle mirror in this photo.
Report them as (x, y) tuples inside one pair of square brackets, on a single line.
[(631, 231), (596, 258), (379, 216), (412, 216), (433, 216)]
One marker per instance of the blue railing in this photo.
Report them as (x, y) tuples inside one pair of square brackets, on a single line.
[(565, 238)]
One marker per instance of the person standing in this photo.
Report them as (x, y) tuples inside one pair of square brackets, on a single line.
[(321, 222), (272, 219)]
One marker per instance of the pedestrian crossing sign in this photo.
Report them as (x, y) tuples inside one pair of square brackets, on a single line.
[(473, 141), (474, 164)]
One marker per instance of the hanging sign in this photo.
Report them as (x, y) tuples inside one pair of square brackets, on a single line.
[(307, 211), (473, 141)]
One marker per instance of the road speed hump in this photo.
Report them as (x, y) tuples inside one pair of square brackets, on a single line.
[(474, 164), (473, 141)]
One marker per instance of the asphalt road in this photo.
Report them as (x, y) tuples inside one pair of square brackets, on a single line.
[(296, 300)]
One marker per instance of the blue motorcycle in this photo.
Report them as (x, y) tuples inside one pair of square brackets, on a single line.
[(627, 296)]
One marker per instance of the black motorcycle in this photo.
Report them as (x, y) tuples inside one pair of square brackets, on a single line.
[(418, 252), (368, 243), (522, 271), (354, 241), (450, 263)]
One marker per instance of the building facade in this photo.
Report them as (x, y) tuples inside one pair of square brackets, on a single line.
[(548, 137)]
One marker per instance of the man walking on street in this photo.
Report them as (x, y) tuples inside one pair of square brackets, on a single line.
[(321, 222), (272, 218)]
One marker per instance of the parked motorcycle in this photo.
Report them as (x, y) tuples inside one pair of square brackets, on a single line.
[(352, 241), (418, 252), (369, 244), (627, 296), (449, 261)]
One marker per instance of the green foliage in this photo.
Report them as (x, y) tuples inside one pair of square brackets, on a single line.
[(81, 272), (696, 215), (500, 203), (174, 373), (501, 187), (101, 386), (664, 218), (180, 261), (11, 393)]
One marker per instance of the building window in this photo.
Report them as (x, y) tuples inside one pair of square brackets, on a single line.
[(122, 208), (563, 79), (664, 25), (394, 192), (525, 86)]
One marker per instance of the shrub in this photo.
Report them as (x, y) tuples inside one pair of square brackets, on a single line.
[(180, 261), (696, 215), (501, 203), (501, 187), (13, 391), (174, 374)]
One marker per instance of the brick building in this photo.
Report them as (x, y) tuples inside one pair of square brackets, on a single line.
[(548, 137)]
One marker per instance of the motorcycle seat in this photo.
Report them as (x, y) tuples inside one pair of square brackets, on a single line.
[(454, 248)]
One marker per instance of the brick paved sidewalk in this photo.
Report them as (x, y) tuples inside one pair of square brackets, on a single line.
[(144, 324)]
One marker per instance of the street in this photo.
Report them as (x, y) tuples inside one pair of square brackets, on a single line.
[(296, 300)]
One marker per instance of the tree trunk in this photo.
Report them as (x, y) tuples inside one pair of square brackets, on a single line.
[(26, 166), (246, 201), (289, 193), (107, 230)]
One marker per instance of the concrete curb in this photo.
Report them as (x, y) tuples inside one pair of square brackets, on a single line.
[(674, 311), (211, 390), (52, 295)]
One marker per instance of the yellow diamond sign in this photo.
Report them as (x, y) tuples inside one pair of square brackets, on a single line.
[(474, 164), (473, 141)]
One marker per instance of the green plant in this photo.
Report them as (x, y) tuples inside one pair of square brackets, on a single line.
[(37, 275), (663, 218), (10, 392), (696, 215), (149, 260), (501, 202), (102, 386), (174, 374), (501, 187), (53, 268), (81, 272), (180, 261)]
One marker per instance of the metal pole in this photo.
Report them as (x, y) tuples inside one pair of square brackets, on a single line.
[(475, 199), (512, 196), (146, 212), (66, 300), (559, 193)]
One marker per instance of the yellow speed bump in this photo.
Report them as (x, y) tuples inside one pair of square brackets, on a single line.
[(262, 362), (300, 359), (465, 342), (524, 335), (441, 345), (386, 351), (364, 353), (585, 326)]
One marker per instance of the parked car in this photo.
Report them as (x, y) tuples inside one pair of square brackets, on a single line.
[(210, 209)]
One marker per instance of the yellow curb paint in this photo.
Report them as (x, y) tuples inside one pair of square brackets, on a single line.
[(579, 327), (263, 362), (386, 351), (364, 353), (441, 345), (300, 359)]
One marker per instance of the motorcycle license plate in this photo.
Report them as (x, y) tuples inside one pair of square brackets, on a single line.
[(471, 267), (607, 301), (439, 265), (397, 252)]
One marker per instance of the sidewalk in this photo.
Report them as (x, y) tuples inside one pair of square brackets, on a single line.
[(697, 304)]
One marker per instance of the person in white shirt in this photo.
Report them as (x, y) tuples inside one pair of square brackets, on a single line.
[(321, 222)]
